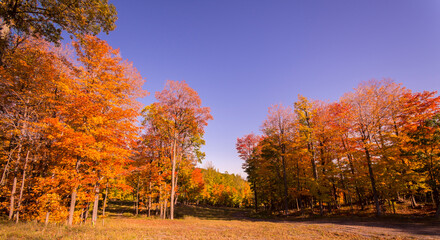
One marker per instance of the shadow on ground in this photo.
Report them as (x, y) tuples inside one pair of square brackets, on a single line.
[(212, 213), (426, 226), (406, 224)]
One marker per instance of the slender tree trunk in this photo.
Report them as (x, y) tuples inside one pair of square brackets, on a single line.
[(14, 185), (47, 218), (255, 196), (86, 215), (20, 198), (136, 204), (286, 195), (165, 207), (6, 169), (12, 201), (176, 196), (72, 205), (95, 205), (435, 188), (73, 195), (435, 194), (413, 201), (156, 212), (351, 164), (4, 38), (315, 176), (321, 208), (358, 192), (335, 195), (161, 210), (373, 182), (173, 177), (149, 200), (105, 200), (161, 202)]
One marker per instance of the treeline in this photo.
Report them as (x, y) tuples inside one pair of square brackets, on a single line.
[(378, 144), (224, 189), (197, 186)]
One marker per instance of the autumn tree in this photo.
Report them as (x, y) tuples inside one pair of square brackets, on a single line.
[(31, 90), (306, 115), (181, 118), (280, 128), (246, 148), (96, 127), (421, 137)]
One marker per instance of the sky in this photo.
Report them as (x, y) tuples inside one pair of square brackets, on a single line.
[(243, 56)]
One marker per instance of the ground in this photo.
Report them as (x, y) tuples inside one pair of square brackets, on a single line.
[(225, 223)]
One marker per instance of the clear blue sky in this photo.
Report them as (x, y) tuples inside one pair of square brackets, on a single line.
[(242, 56)]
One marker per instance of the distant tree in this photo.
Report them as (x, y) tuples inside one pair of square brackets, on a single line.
[(246, 148), (280, 128)]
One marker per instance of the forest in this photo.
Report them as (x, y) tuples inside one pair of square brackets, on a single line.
[(70, 136), (378, 144), (76, 143)]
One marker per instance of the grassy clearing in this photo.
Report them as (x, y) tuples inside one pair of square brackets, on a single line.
[(224, 223)]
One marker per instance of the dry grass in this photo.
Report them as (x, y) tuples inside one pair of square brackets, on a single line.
[(223, 223)]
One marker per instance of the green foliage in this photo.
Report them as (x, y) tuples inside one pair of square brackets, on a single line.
[(47, 18), (224, 189)]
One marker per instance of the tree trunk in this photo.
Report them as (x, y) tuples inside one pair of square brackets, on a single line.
[(6, 169), (136, 204), (86, 215), (161, 202), (149, 201), (4, 38), (351, 164), (105, 200), (73, 196), (165, 208), (12, 204), (413, 201), (321, 208), (255, 196), (47, 218), (72, 205), (373, 182), (95, 205), (286, 196), (176, 196), (435, 194), (315, 176), (156, 212), (173, 177), (20, 198)]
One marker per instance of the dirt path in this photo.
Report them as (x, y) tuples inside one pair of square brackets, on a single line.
[(368, 227)]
